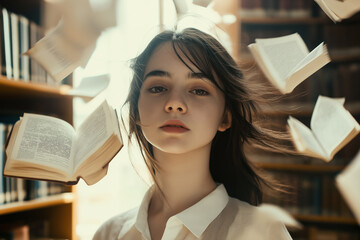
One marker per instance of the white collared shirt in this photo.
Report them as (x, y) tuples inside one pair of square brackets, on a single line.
[(215, 217)]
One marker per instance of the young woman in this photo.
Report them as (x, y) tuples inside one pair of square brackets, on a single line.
[(191, 112)]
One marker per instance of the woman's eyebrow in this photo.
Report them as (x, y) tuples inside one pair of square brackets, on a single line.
[(196, 75), (200, 75), (158, 73), (161, 73)]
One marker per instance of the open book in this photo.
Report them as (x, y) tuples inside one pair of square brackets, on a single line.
[(332, 127), (348, 183), (339, 9), (71, 43), (47, 148), (286, 61)]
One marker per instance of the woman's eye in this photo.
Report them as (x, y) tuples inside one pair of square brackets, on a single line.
[(199, 92), (157, 89)]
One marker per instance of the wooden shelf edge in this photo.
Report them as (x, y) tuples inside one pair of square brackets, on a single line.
[(299, 167), (60, 91), (48, 201), (283, 20), (305, 108), (325, 219)]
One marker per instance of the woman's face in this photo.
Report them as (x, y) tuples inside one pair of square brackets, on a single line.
[(180, 111)]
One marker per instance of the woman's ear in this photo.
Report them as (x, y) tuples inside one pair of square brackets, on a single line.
[(226, 122)]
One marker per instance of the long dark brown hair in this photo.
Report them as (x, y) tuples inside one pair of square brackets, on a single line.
[(228, 162)]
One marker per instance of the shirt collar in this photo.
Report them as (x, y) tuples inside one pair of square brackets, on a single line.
[(199, 216), (196, 218), (141, 220)]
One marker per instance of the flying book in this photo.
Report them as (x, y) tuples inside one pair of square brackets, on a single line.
[(90, 87), (348, 183), (286, 61), (47, 148), (339, 9), (71, 43), (332, 127)]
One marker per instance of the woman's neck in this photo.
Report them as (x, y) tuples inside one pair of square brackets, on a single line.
[(184, 179)]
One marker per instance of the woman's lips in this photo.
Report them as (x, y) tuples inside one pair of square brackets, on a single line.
[(174, 126)]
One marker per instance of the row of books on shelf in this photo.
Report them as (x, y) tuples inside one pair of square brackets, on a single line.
[(332, 234), (18, 35), (18, 189), (336, 10), (269, 160), (35, 229), (276, 8), (340, 37), (309, 194)]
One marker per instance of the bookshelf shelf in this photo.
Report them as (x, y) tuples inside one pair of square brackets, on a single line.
[(9, 87), (49, 201), (342, 58), (304, 108), (325, 219), (283, 20), (301, 167)]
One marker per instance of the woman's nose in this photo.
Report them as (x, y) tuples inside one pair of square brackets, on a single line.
[(176, 103)]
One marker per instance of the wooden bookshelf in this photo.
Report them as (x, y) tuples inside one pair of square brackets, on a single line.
[(283, 20), (304, 109), (325, 219), (57, 210), (12, 87), (44, 202), (301, 167), (332, 80)]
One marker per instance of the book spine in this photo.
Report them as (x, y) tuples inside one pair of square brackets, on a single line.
[(2, 163), (14, 23), (7, 44), (309, 194), (24, 46), (316, 195), (7, 180)]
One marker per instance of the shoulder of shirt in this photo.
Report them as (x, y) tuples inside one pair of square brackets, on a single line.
[(258, 213), (249, 219), (113, 226)]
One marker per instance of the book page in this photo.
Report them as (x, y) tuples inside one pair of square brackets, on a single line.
[(315, 60), (304, 139), (90, 86), (328, 11), (71, 43), (310, 57), (259, 60), (348, 183), (45, 140), (282, 54), (331, 123), (58, 54), (343, 9), (92, 133)]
